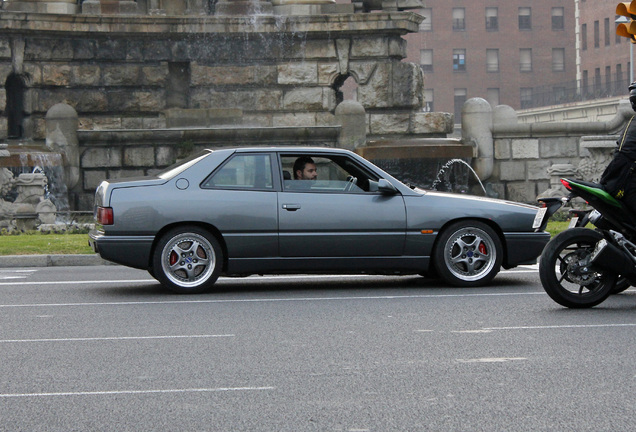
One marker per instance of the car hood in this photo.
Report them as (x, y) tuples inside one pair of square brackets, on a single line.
[(476, 198)]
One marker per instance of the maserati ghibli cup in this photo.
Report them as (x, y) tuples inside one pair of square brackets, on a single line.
[(242, 211)]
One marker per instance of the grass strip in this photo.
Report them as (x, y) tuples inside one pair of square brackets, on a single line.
[(47, 244)]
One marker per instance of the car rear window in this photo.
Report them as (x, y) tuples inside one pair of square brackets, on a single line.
[(182, 165)]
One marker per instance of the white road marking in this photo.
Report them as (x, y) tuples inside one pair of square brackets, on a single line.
[(566, 326), (133, 392), (79, 282), (16, 274), (473, 331), (492, 360), (522, 269), (113, 338), (270, 300)]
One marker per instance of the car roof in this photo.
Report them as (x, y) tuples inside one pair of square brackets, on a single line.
[(289, 149)]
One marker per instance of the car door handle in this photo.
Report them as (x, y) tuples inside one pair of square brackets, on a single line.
[(291, 207)]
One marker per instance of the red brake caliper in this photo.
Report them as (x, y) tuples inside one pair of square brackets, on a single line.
[(482, 249), (173, 258)]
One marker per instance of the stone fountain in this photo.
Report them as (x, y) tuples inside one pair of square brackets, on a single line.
[(23, 203)]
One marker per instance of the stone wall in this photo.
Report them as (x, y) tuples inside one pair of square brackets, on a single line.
[(524, 156), (124, 72)]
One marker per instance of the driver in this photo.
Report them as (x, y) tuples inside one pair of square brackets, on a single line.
[(618, 179), (305, 169)]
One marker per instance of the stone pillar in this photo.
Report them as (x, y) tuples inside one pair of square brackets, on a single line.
[(476, 131), (353, 119), (61, 136)]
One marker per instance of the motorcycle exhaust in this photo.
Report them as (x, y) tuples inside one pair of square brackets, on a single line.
[(606, 256)]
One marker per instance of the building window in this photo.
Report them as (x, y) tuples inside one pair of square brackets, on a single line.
[(557, 18), (525, 60), (558, 59), (459, 19), (426, 60), (492, 96), (427, 24), (597, 80), (619, 76), (608, 80), (585, 81), (596, 34), (617, 38), (459, 100), (492, 19), (525, 18), (492, 60), (526, 97), (559, 94), (606, 29), (428, 100), (459, 60), (584, 37)]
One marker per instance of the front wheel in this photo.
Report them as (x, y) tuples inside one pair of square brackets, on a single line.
[(468, 253), (187, 260), (566, 274)]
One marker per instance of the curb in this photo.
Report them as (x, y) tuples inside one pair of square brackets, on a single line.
[(12, 261)]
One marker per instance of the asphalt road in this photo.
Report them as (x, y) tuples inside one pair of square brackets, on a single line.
[(105, 348)]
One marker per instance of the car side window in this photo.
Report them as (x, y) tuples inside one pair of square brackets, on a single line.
[(323, 173), (243, 171)]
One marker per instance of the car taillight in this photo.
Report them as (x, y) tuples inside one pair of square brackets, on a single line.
[(105, 215)]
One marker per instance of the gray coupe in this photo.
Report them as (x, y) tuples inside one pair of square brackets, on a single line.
[(246, 211)]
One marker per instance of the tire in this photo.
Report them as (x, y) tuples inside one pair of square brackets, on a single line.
[(565, 280), (621, 285), (468, 254), (187, 260)]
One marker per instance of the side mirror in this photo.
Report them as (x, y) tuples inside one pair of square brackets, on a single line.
[(386, 187)]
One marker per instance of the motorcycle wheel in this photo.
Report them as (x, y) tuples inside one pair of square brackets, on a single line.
[(565, 279), (621, 285)]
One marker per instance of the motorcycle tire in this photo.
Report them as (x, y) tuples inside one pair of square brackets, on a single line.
[(621, 285), (565, 279)]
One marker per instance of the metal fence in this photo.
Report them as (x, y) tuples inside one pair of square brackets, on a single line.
[(575, 91)]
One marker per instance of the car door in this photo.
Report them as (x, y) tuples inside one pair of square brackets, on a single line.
[(328, 218), (239, 199)]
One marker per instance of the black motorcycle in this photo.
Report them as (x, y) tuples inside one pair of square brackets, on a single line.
[(581, 267)]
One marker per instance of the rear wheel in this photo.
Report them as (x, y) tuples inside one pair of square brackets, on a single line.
[(187, 260), (565, 272), (621, 285), (468, 253)]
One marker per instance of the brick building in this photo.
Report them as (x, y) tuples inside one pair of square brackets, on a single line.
[(605, 57), (501, 50)]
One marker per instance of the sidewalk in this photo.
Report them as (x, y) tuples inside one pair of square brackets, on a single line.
[(12, 261)]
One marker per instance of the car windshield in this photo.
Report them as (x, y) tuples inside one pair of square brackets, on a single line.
[(182, 165)]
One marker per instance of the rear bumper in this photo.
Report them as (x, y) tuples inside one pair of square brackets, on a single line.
[(524, 248), (131, 251)]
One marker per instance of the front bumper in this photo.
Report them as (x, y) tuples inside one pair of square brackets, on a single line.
[(524, 248), (131, 251)]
